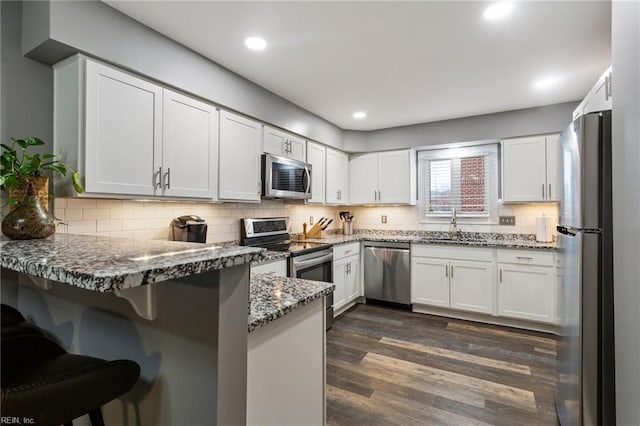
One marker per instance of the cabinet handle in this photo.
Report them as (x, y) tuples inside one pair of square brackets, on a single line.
[(157, 178), (549, 193), (339, 194), (167, 183), (607, 87), (259, 187), (451, 271), (543, 191), (500, 275), (524, 257), (446, 271), (347, 251)]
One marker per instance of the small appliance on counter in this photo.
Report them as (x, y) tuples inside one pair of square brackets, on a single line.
[(189, 228)]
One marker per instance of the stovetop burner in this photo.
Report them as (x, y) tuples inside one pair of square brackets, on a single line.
[(272, 234)]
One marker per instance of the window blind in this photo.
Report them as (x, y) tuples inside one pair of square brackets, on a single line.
[(460, 178)]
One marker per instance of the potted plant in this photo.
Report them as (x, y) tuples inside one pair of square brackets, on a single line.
[(18, 168)]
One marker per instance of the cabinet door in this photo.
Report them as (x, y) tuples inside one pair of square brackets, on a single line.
[(337, 178), (430, 281), (297, 148), (363, 179), (553, 167), (239, 162), (526, 292), (316, 157), (277, 268), (123, 140), (340, 281), (282, 143), (190, 147), (472, 286), (396, 177), (353, 278), (524, 169)]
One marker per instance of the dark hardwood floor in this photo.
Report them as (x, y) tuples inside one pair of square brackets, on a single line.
[(394, 367)]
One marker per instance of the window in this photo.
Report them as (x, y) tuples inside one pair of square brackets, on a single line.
[(465, 179)]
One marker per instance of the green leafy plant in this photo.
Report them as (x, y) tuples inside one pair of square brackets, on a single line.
[(17, 166)]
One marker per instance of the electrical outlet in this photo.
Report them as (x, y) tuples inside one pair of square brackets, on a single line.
[(508, 220), (384, 218), (310, 220)]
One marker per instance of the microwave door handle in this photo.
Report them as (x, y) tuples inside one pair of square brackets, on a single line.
[(308, 173)]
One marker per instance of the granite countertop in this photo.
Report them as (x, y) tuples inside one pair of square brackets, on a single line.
[(106, 264), (271, 256), (272, 297), (471, 239)]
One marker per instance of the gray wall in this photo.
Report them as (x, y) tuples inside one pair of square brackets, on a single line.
[(626, 205), (27, 86), (94, 28), (546, 119)]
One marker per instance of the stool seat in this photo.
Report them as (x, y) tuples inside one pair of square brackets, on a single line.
[(43, 382)]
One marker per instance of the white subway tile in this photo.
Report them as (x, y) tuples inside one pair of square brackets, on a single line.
[(156, 223), (122, 213), (132, 224), (81, 203), (96, 214), (73, 214), (82, 227), (109, 225), (59, 203), (60, 213), (109, 204)]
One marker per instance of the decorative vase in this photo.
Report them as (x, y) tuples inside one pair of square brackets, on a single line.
[(41, 187), (29, 220)]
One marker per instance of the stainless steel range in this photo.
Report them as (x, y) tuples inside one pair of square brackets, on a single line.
[(307, 260)]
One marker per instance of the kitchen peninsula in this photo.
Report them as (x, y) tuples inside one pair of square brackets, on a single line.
[(180, 310)]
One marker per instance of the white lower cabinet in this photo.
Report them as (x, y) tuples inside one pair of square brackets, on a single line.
[(526, 287), (460, 278), (346, 276), (471, 287)]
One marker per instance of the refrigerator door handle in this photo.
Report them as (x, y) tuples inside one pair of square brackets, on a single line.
[(572, 231)]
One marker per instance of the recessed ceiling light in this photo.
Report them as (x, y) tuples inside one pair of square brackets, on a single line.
[(498, 10), (255, 43), (546, 83), (359, 114)]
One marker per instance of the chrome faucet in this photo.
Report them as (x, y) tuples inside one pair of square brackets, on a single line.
[(455, 232)]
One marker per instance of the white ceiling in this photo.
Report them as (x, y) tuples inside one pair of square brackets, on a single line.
[(401, 62)]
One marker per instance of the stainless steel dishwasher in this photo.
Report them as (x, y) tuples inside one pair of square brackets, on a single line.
[(387, 273)]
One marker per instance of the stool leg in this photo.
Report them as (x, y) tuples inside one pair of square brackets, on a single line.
[(96, 417)]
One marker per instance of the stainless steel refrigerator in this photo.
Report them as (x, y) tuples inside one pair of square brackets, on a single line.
[(585, 393)]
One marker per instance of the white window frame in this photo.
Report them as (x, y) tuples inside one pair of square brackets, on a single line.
[(443, 153)]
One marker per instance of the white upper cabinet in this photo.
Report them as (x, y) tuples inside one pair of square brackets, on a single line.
[(337, 177), (530, 168), (190, 148), (123, 143), (240, 149), (284, 144), (128, 136), (316, 156), (599, 97), (383, 178), (363, 179)]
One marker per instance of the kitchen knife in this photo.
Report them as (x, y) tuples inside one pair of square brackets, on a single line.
[(327, 224)]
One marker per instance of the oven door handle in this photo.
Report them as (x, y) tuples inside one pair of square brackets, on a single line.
[(312, 262)]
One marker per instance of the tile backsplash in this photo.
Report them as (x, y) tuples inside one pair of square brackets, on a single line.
[(150, 219)]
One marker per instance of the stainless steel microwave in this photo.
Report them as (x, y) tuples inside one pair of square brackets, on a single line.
[(285, 178)]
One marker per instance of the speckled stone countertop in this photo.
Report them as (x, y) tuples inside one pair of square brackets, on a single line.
[(105, 264), (272, 297), (471, 239), (271, 256)]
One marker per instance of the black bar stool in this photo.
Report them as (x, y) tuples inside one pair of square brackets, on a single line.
[(45, 384)]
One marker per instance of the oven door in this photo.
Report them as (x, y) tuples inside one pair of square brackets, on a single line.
[(316, 266), (285, 178)]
